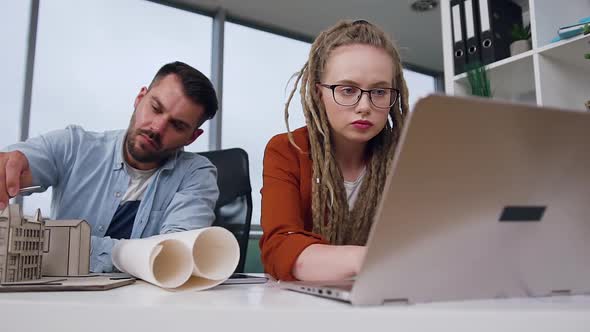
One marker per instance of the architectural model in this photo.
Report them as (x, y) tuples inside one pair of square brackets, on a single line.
[(35, 247), (21, 245), (67, 248)]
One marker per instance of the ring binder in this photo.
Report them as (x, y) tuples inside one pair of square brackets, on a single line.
[(458, 23), (494, 22), (472, 38)]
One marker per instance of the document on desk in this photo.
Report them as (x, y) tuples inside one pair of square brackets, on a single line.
[(195, 260)]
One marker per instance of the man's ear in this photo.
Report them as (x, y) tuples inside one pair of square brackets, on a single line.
[(140, 96), (195, 135)]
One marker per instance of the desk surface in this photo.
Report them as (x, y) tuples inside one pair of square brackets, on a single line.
[(143, 307)]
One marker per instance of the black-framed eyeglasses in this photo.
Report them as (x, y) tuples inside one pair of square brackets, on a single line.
[(350, 95)]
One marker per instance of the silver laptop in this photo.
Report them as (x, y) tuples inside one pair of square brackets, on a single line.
[(485, 199)]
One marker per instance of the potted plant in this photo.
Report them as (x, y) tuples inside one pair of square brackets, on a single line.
[(521, 39)]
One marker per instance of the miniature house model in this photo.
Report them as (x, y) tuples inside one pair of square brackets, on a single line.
[(67, 248), (21, 245), (32, 247)]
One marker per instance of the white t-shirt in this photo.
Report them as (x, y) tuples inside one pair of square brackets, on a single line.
[(138, 182), (352, 189)]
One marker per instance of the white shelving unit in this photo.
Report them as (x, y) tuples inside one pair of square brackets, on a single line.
[(551, 74)]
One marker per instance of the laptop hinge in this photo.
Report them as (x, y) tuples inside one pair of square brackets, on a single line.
[(398, 301), (561, 292)]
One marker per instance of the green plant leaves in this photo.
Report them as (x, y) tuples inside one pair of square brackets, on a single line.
[(521, 33), (479, 82)]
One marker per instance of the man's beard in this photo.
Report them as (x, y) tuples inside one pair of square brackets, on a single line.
[(158, 156)]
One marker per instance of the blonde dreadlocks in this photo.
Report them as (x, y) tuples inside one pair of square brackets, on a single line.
[(332, 217)]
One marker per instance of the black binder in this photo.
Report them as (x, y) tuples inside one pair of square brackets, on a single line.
[(495, 22), (472, 33), (458, 33)]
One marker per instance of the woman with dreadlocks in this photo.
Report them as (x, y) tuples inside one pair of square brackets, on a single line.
[(322, 182)]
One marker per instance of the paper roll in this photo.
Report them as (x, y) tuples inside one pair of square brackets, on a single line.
[(210, 255), (162, 262)]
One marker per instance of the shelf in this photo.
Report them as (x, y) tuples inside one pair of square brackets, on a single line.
[(521, 85), (570, 51), (500, 63), (551, 74), (564, 74), (550, 15)]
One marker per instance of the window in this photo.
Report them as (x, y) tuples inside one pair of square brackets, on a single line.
[(10, 275), (257, 69), (46, 237), (14, 22), (94, 56), (419, 85)]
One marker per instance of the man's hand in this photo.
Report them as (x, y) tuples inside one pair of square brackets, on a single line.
[(14, 174)]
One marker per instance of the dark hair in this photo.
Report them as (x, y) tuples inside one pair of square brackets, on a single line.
[(196, 86)]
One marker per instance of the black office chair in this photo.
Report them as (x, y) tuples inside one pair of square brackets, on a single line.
[(233, 210)]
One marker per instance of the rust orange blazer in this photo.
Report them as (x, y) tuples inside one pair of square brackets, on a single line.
[(286, 204)]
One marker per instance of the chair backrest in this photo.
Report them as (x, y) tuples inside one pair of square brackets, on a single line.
[(233, 210)]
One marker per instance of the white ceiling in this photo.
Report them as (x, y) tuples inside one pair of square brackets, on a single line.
[(418, 35)]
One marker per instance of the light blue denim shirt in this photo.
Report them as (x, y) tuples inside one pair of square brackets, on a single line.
[(85, 170)]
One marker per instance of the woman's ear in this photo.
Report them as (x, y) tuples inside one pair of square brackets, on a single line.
[(318, 90)]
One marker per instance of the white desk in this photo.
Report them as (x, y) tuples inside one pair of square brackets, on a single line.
[(143, 307)]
